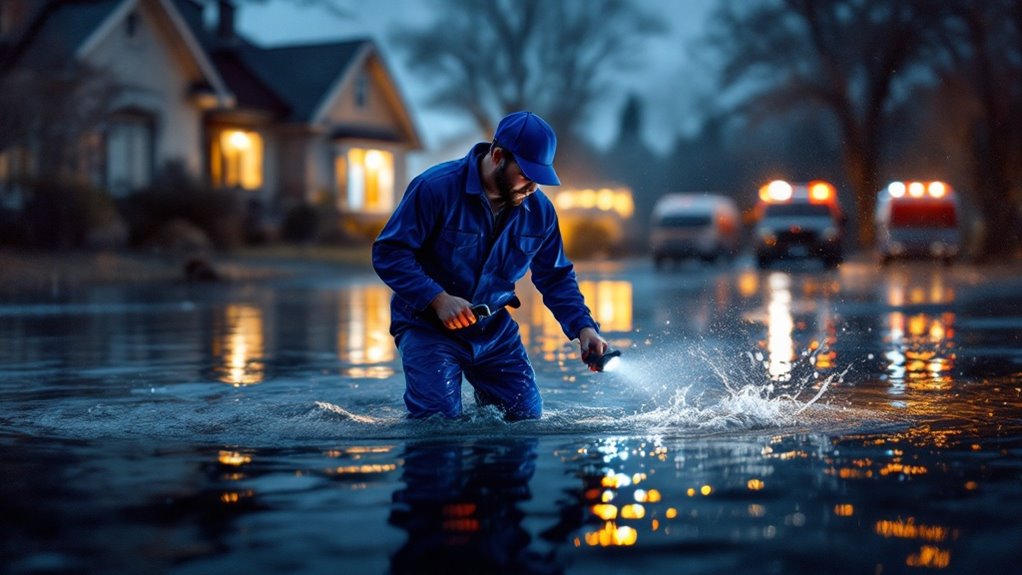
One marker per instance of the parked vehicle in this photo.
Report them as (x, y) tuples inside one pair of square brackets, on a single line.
[(918, 219), (694, 225), (803, 220)]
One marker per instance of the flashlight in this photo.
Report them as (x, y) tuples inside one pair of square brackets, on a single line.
[(605, 362), (481, 310)]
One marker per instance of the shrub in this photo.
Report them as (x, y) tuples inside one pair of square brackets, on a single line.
[(61, 213), (301, 224), (176, 195)]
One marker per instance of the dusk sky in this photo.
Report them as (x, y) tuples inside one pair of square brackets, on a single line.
[(670, 82)]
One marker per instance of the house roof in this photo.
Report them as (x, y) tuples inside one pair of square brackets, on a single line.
[(290, 83), (63, 31), (300, 75), (59, 30), (249, 89)]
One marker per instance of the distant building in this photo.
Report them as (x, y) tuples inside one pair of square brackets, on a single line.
[(322, 123), (595, 220)]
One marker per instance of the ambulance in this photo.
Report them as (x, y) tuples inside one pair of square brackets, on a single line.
[(918, 219), (798, 221)]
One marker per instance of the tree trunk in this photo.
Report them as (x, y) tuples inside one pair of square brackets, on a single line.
[(992, 187), (861, 166)]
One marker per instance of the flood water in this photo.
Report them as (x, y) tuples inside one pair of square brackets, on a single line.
[(781, 421)]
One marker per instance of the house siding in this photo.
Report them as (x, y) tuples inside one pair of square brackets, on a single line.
[(380, 114), (296, 176), (157, 74)]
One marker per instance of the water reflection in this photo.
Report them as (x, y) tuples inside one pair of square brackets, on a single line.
[(363, 338), (646, 492), (801, 330), (611, 303), (460, 506), (919, 341), (618, 502), (239, 346)]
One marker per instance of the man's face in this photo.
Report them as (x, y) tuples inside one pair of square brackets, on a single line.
[(514, 186)]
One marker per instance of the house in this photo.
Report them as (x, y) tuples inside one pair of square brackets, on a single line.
[(282, 127)]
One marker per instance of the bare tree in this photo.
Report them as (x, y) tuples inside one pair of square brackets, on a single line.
[(555, 57), (49, 112), (846, 56), (982, 41)]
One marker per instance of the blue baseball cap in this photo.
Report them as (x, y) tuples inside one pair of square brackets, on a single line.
[(532, 142)]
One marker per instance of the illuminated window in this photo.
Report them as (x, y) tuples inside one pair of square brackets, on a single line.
[(236, 160), (365, 180)]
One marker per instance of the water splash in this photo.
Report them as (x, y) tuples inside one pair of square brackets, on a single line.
[(333, 408), (723, 392)]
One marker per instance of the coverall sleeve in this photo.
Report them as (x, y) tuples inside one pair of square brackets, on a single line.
[(394, 251), (554, 277)]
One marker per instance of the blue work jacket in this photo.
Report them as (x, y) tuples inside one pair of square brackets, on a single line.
[(439, 239)]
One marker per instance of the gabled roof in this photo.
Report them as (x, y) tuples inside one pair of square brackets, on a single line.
[(301, 75), (59, 30), (249, 89), (66, 30), (294, 84), (290, 82)]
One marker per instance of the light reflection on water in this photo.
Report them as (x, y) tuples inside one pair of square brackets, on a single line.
[(240, 346), (364, 340), (801, 338), (611, 303), (920, 344), (311, 489)]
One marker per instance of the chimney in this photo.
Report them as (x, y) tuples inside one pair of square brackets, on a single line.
[(225, 21)]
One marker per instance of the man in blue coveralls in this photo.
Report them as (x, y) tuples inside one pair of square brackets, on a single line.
[(464, 233)]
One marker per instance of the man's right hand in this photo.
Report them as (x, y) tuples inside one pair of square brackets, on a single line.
[(454, 312)]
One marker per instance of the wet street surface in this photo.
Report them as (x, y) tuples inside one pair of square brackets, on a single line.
[(790, 420)]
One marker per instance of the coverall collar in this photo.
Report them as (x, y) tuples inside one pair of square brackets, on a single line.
[(474, 185)]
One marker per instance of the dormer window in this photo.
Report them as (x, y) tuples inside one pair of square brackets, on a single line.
[(131, 26), (362, 90)]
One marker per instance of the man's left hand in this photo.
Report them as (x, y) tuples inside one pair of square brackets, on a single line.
[(591, 343)]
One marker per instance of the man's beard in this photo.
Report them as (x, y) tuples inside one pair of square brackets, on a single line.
[(509, 196)]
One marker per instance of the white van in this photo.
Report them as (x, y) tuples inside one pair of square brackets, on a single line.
[(694, 225), (918, 219)]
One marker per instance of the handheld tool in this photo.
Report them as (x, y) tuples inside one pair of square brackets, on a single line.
[(604, 362)]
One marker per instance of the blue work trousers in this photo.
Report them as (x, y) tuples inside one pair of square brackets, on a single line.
[(489, 354)]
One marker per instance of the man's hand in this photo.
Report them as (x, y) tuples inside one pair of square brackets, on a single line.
[(454, 312), (590, 343)]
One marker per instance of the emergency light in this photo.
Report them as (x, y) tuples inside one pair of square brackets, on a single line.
[(936, 190), (780, 191)]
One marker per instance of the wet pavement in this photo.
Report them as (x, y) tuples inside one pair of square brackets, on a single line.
[(790, 420)]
